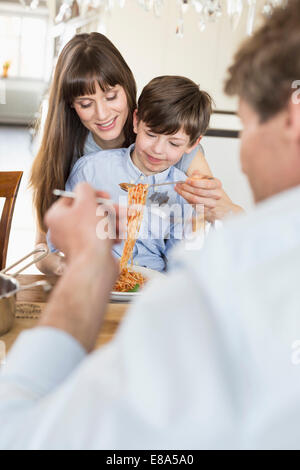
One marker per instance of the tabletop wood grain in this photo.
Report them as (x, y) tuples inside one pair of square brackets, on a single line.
[(35, 299)]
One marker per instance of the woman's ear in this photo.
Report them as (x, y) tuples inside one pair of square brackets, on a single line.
[(135, 121)]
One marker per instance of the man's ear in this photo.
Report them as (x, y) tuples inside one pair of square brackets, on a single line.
[(190, 149), (135, 121)]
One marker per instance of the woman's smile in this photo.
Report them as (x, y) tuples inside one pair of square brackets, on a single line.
[(108, 125)]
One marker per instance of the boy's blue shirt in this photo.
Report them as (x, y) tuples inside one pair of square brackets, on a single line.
[(105, 170)]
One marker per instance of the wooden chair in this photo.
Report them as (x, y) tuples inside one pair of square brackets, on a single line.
[(9, 187)]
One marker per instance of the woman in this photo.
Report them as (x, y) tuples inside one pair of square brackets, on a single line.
[(91, 105)]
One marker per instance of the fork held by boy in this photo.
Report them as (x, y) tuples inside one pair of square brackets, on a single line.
[(126, 186)]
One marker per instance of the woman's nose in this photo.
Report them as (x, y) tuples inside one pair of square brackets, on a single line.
[(103, 112)]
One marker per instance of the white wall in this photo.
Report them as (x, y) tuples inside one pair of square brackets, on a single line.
[(222, 155), (151, 47)]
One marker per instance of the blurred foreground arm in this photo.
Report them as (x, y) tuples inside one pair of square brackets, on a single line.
[(79, 301)]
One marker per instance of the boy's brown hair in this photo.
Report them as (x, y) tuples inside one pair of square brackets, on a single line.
[(268, 63), (170, 103)]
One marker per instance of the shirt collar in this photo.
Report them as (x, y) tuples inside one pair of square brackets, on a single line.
[(137, 176)]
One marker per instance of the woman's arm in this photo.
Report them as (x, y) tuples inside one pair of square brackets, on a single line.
[(207, 191), (53, 264)]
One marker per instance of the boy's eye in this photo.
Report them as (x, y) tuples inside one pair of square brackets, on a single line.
[(174, 145), (150, 135)]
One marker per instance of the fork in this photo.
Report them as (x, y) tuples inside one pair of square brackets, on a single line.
[(126, 186), (69, 194)]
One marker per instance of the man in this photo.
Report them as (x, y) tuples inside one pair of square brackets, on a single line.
[(208, 358)]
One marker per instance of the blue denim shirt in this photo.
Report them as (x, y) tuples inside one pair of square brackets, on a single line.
[(105, 170)]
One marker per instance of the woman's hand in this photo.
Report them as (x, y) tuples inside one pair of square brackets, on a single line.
[(54, 263), (208, 191)]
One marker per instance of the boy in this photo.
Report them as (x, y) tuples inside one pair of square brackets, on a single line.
[(172, 116)]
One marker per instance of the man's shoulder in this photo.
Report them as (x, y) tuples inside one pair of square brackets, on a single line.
[(267, 223), (249, 241)]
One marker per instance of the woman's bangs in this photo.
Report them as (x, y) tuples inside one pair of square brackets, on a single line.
[(83, 84)]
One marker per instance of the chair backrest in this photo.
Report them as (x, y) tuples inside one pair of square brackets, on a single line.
[(9, 187)]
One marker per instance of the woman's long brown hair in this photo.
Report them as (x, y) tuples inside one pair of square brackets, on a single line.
[(85, 60)]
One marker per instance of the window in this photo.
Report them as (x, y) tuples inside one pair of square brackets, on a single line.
[(23, 43)]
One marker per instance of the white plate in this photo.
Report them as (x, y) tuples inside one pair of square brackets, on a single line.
[(129, 296)]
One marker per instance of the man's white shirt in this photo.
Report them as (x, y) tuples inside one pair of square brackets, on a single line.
[(205, 359)]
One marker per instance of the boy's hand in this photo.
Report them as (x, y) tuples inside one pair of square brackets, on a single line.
[(206, 190), (200, 189)]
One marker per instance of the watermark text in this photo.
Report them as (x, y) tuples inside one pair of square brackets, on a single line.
[(296, 94)]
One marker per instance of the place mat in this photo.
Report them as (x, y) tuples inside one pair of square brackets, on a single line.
[(29, 310)]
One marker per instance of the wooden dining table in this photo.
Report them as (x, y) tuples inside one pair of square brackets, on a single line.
[(31, 303)]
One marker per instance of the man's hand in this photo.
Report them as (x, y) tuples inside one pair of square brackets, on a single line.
[(73, 223), (79, 301)]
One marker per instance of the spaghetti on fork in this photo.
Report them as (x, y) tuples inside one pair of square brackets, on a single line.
[(128, 279)]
